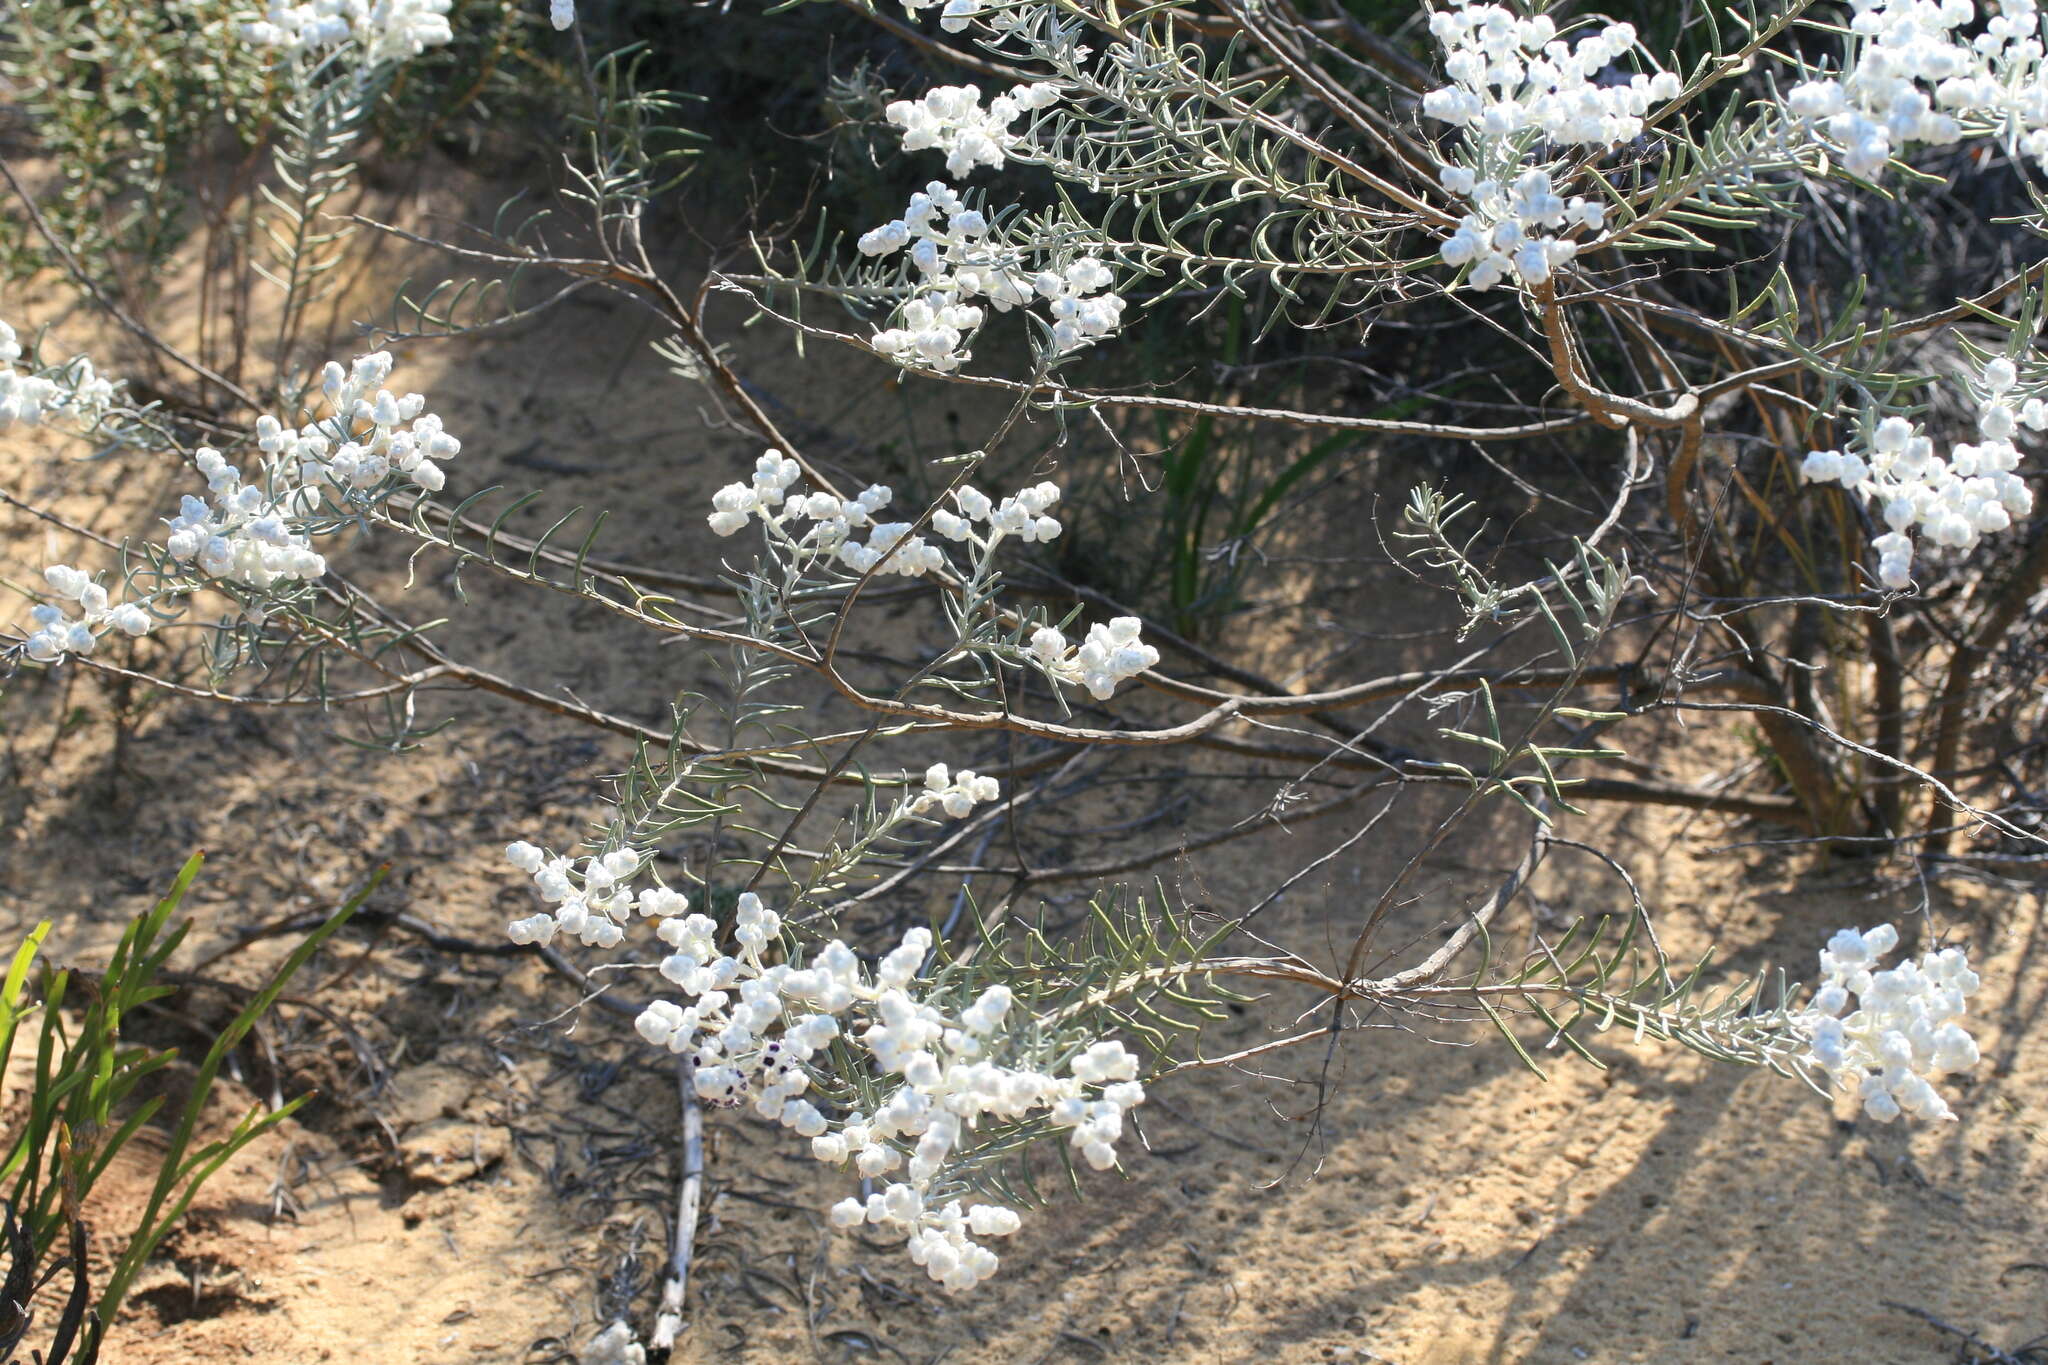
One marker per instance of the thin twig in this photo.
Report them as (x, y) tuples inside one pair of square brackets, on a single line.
[(668, 1322)]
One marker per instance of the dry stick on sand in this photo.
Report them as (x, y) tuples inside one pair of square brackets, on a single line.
[(668, 1322)]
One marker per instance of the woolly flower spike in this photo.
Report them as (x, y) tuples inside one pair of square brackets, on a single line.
[(1109, 655), (931, 334), (892, 549), (58, 633), (22, 396), (561, 13), (258, 531), (1974, 492), (1902, 1027), (737, 503), (1080, 312), (950, 118), (934, 1072), (936, 1064), (954, 15), (245, 535), (956, 794), (940, 1240), (1926, 72), (1025, 515), (955, 265), (889, 547), (383, 30), (1504, 234), (74, 391), (1511, 76), (590, 901), (379, 433), (835, 526)]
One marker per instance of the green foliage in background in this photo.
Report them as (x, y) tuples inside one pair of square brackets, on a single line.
[(155, 118)]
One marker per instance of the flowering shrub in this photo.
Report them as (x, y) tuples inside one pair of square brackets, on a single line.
[(74, 393), (753, 1032), (379, 30), (1975, 491), (1513, 81), (1906, 1030), (956, 265), (1543, 185), (257, 533), (951, 119)]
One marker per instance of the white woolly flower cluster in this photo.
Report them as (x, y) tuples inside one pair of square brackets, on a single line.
[(1027, 515), (752, 1028), (956, 264), (890, 548), (949, 245), (954, 793), (386, 438), (1105, 658), (1512, 75), (561, 13), (383, 30), (592, 901), (76, 391), (253, 532), (951, 119), (1081, 311), (245, 535), (1504, 234), (1974, 491), (258, 532), (734, 505), (58, 633), (1902, 1027), (23, 396), (1913, 74), (954, 15)]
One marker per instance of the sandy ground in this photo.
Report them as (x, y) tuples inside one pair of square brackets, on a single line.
[(488, 1174)]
